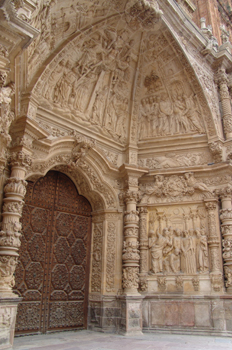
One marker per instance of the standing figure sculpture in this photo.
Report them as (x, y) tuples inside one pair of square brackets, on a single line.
[(157, 244), (188, 258), (201, 251)]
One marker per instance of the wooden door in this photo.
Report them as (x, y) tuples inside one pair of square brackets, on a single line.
[(53, 269)]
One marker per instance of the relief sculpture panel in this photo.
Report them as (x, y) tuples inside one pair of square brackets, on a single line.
[(178, 250), (169, 105), (92, 84)]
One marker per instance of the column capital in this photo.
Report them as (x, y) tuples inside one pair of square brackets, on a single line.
[(131, 196), (210, 205), (225, 192), (131, 175), (20, 159), (221, 77), (142, 210)]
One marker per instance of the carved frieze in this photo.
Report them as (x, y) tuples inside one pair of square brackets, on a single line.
[(174, 160), (173, 188)]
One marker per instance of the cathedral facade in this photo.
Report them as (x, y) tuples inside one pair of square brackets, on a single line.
[(115, 159)]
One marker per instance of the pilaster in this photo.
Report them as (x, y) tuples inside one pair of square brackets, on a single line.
[(214, 246), (226, 230), (143, 242)]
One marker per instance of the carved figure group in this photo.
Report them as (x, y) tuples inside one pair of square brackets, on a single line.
[(172, 114), (176, 251), (94, 87)]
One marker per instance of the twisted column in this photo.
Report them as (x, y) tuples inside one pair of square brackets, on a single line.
[(15, 190), (131, 254), (214, 244), (226, 230), (143, 237), (222, 81)]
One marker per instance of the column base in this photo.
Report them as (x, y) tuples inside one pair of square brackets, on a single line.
[(8, 310), (131, 315)]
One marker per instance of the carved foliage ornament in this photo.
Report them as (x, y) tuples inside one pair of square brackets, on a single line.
[(111, 254), (21, 159), (7, 269), (97, 258), (130, 277), (15, 185)]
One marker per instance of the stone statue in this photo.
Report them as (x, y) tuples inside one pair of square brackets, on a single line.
[(156, 245), (201, 251), (188, 258)]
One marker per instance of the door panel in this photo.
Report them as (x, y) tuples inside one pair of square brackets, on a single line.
[(52, 274)]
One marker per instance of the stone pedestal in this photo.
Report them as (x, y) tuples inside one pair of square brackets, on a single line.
[(131, 315), (8, 310)]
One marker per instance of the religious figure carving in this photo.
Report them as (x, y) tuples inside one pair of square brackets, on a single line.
[(201, 251), (168, 114), (157, 245), (188, 258), (176, 251)]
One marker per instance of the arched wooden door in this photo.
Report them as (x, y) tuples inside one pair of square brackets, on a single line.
[(53, 269)]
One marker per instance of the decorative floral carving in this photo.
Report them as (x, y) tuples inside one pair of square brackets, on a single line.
[(9, 239), (21, 159), (13, 207), (195, 282), (143, 284), (226, 214), (217, 151), (111, 255), (228, 275), (144, 12), (226, 192), (130, 278), (162, 283), (227, 248), (130, 251), (97, 183), (15, 185), (7, 269), (179, 283), (97, 258), (216, 281)]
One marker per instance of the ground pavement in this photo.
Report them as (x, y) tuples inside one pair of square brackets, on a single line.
[(88, 340)]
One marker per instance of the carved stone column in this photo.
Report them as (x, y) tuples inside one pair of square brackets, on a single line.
[(130, 254), (15, 190), (131, 300), (226, 229), (214, 246), (143, 247), (222, 81)]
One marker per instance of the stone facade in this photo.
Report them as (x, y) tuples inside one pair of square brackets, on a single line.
[(132, 101)]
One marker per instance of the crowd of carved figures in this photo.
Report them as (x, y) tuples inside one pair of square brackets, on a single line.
[(175, 251), (94, 87), (169, 113)]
